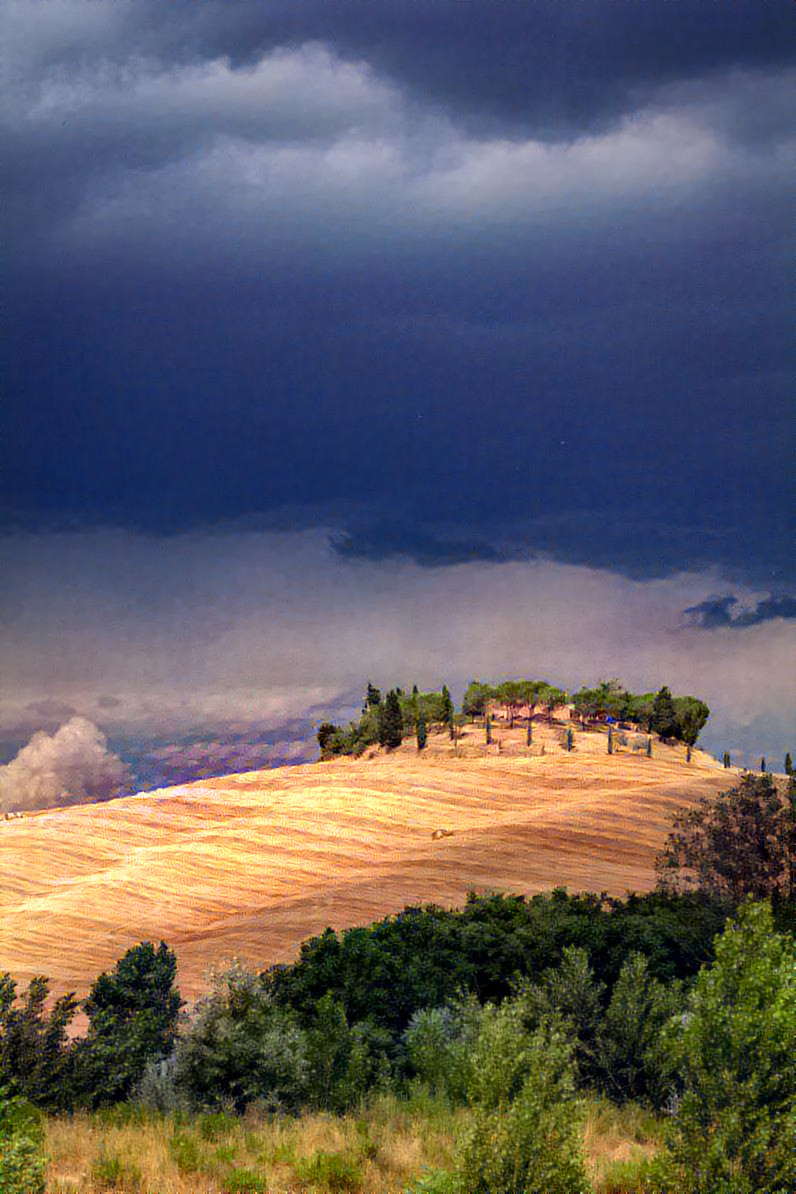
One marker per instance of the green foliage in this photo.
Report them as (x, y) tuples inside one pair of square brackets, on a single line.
[(331, 1171), (476, 698), (740, 843), (34, 1050), (690, 716), (439, 1046), (422, 733), (726, 761), (391, 722), (329, 1046), (241, 1048), (246, 1181), (569, 993), (664, 719), (788, 764), (525, 1125), (627, 1054), (570, 739), (733, 1051), (133, 1013), (185, 1152), (22, 1161), (110, 1172)]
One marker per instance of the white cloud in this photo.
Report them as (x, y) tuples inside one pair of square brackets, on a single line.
[(71, 766)]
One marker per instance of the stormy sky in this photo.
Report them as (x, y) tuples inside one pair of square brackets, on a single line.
[(390, 340)]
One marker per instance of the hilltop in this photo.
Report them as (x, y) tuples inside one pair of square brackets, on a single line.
[(250, 865)]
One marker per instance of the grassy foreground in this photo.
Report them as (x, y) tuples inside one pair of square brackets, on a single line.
[(386, 1147)]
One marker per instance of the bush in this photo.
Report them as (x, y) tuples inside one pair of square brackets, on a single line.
[(439, 1045), (22, 1162), (735, 1129), (330, 1171), (242, 1049), (245, 1181), (524, 1134)]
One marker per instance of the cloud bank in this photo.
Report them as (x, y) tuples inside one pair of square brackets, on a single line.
[(71, 766)]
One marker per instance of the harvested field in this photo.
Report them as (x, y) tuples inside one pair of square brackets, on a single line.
[(250, 865)]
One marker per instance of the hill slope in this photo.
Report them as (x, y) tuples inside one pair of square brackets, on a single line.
[(250, 865)]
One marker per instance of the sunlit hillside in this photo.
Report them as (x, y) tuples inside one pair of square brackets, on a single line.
[(250, 865)]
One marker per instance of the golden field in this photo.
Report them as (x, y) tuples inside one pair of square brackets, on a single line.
[(250, 865)]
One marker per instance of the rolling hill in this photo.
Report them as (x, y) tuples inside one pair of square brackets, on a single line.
[(250, 865)]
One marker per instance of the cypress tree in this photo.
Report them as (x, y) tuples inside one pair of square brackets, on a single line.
[(529, 734), (488, 724), (570, 738), (391, 725), (763, 765), (788, 764), (421, 732), (610, 741), (649, 747), (664, 718), (726, 760)]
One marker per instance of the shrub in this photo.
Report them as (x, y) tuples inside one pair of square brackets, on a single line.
[(331, 1171), (245, 1181), (735, 1129), (22, 1162), (109, 1171), (524, 1133), (242, 1049)]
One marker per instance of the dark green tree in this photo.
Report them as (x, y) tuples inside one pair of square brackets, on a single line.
[(763, 765), (664, 718), (690, 717), (447, 706), (737, 844), (422, 736), (788, 764), (35, 1055), (240, 1048), (570, 738), (372, 697), (391, 725), (133, 1013), (488, 730), (726, 761)]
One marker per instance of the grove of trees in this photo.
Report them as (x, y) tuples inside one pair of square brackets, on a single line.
[(387, 720)]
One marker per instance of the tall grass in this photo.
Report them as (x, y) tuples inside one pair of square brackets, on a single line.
[(378, 1150), (383, 1148)]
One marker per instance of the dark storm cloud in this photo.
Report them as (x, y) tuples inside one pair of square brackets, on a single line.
[(508, 279), (554, 69), (722, 611)]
